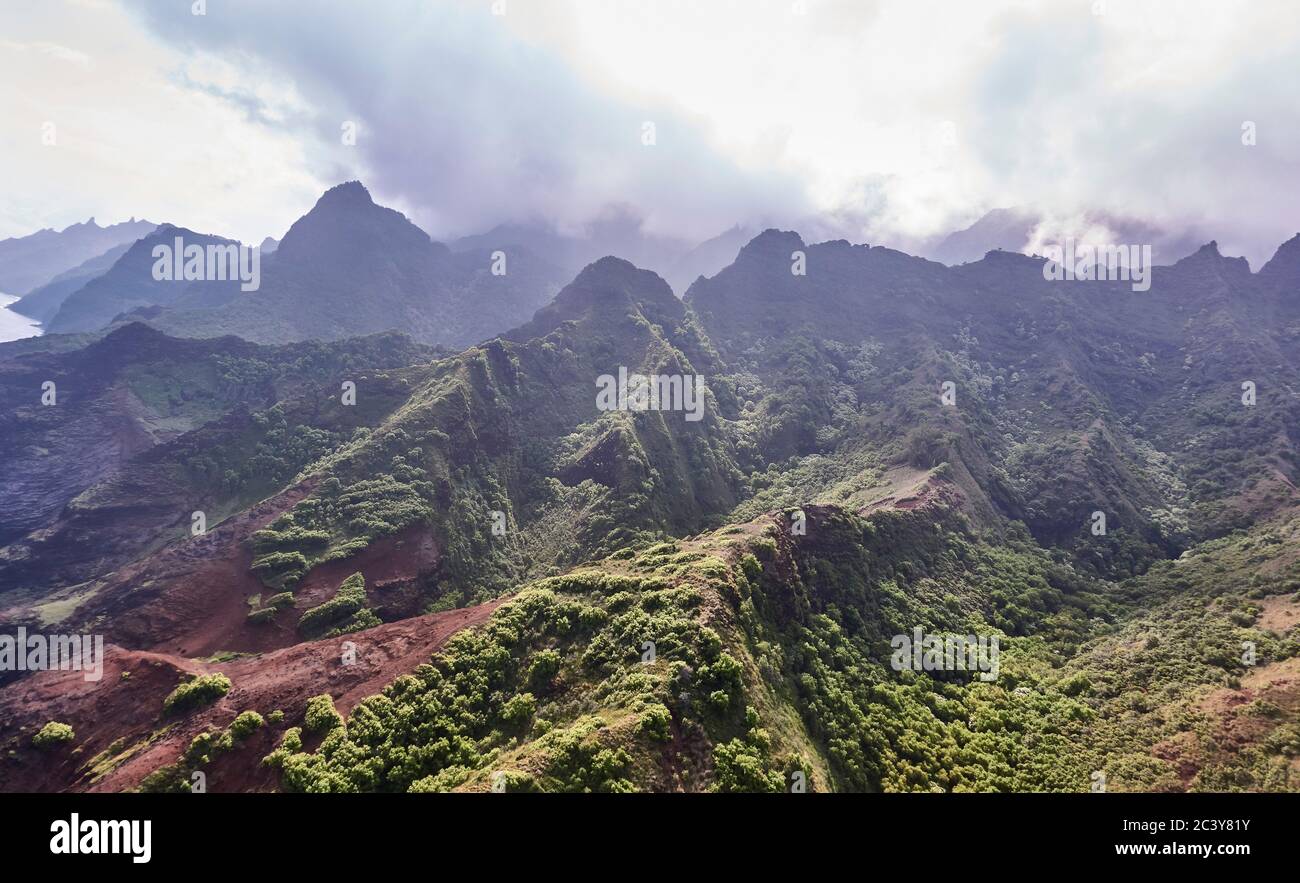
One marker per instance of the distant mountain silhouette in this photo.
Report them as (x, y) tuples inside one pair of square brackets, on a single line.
[(129, 284), (43, 302), (1007, 229), (1021, 229), (27, 262), (351, 267), (615, 234), (707, 258)]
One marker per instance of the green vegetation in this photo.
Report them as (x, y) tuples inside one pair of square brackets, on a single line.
[(290, 744), (170, 779), (344, 613), (264, 611), (669, 628), (773, 658), (321, 716), (245, 725), (52, 735), (119, 752), (197, 691), (203, 749)]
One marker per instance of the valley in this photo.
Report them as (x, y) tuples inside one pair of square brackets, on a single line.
[(497, 584)]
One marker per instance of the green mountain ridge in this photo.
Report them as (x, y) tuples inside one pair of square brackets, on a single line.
[(886, 444)]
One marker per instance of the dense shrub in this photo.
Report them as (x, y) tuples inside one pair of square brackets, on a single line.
[(779, 664), (321, 716), (170, 779), (52, 734), (262, 615), (201, 690), (345, 612), (247, 723)]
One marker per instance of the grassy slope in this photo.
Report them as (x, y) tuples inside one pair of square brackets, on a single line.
[(772, 657)]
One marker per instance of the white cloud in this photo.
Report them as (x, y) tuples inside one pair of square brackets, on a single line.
[(939, 111), (888, 120), (138, 129)]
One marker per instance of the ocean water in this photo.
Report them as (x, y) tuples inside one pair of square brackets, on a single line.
[(15, 326)]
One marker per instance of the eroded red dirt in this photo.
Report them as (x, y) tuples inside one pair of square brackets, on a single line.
[(125, 705), (184, 598), (190, 599)]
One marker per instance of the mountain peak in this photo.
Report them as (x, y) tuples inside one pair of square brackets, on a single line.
[(614, 276), (1208, 256), (1207, 252), (347, 194), (1285, 263), (608, 267), (346, 228), (167, 230), (609, 282), (132, 331), (772, 242), (1009, 257)]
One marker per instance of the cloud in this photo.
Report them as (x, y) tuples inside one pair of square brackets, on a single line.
[(54, 50), (888, 121), (1139, 114), (111, 124), (464, 124), (905, 118)]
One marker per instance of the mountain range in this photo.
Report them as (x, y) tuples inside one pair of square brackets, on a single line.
[(475, 287), (30, 261), (432, 560), (455, 295)]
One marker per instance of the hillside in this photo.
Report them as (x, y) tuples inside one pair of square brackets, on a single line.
[(652, 601), (130, 283)]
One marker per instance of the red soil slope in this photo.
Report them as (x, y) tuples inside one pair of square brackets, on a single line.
[(126, 705), (190, 599)]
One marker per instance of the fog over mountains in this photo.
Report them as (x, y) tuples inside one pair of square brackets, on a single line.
[(448, 294)]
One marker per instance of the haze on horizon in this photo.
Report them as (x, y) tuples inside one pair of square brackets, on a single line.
[(886, 121)]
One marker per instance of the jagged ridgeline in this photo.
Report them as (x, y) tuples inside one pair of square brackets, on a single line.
[(885, 447), (1046, 402), (350, 267), (505, 454), (744, 659)]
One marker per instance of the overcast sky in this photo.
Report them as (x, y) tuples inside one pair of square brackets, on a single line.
[(884, 121)]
